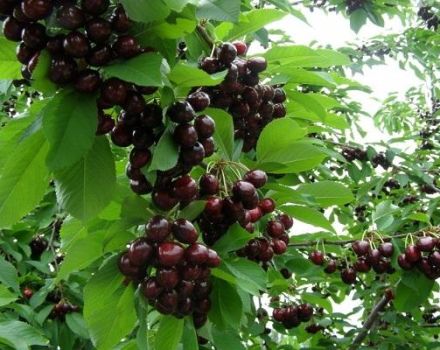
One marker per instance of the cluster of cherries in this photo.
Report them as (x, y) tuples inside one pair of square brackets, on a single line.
[(172, 268), (274, 241), (38, 245), (354, 153), (291, 316), (252, 104), (368, 257), (424, 255)]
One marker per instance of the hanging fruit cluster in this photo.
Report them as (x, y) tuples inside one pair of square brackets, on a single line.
[(291, 316)]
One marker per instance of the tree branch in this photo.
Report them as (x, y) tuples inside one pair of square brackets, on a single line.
[(372, 317)]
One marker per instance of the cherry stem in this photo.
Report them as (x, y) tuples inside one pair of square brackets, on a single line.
[(205, 36)]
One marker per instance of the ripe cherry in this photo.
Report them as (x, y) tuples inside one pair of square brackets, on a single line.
[(181, 112), (426, 244), (88, 81), (199, 100), (141, 186), (114, 91), (194, 155), (98, 30), (305, 312), (185, 135), (197, 254), (361, 247), (76, 45), (373, 256), (158, 229), (279, 96), (205, 126), (209, 184), (62, 70), (70, 17), (184, 231), (213, 258), (208, 146), (99, 56), (120, 21), (317, 257), (184, 188), (275, 228), (267, 205), (28, 293), (255, 214), (167, 278), (258, 178), (139, 157), (150, 288), (95, 7), (279, 247), (37, 9), (386, 249), (257, 64), (121, 135), (170, 254), (12, 29), (164, 200), (34, 36), (227, 54), (241, 47), (286, 220), (348, 275), (243, 190), (213, 207), (404, 263), (361, 265), (331, 266), (140, 252), (126, 267), (434, 258), (24, 53), (126, 46), (412, 254), (167, 302)]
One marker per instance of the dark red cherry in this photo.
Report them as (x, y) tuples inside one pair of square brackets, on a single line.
[(386, 249), (255, 214), (373, 256), (191, 272), (317, 257), (55, 45), (202, 290), (114, 91), (134, 103), (243, 190), (233, 211), (210, 65), (167, 278), (121, 135), (185, 135), (279, 247), (361, 248), (382, 266), (76, 45), (213, 258), (426, 244), (286, 220), (141, 186), (241, 47), (305, 312), (126, 46), (213, 207), (203, 306), (34, 36), (70, 17), (412, 254), (348, 275), (434, 258), (258, 178), (167, 302), (227, 54), (194, 155), (199, 100), (150, 288), (209, 146), (170, 254), (361, 265), (184, 231), (275, 228), (184, 188), (205, 126), (126, 267), (142, 138), (158, 229), (181, 112), (257, 64), (185, 289), (95, 7), (209, 184), (199, 320), (164, 200), (197, 254), (279, 96), (24, 53), (62, 70), (37, 9), (267, 205), (88, 81), (404, 263), (140, 157), (331, 266), (12, 29), (98, 30), (185, 306), (279, 111), (279, 314), (140, 252), (99, 56), (120, 21)]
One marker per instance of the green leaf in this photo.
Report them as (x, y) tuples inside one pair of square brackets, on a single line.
[(249, 22), (224, 131), (20, 335), (193, 210), (227, 340), (75, 322), (189, 339), (69, 121), (184, 75), (6, 296), (383, 214), (219, 10), (250, 276), (227, 307), (169, 333), (109, 309), (145, 70), (422, 217), (8, 274), (234, 239), (24, 180), (412, 291), (10, 68), (309, 216), (357, 19), (40, 76), (327, 193), (176, 30), (166, 153), (87, 187), (278, 134), (146, 11)]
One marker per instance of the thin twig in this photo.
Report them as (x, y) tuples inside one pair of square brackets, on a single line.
[(372, 317), (205, 36)]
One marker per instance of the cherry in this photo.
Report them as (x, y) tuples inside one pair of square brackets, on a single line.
[(95, 7), (114, 91), (76, 45), (279, 96), (213, 258), (70, 17), (37, 9), (373, 256), (227, 54), (348, 275), (28, 293), (279, 111), (243, 190), (184, 231), (331, 266), (181, 112), (140, 252), (134, 103), (286, 220), (150, 288), (412, 254), (34, 36), (404, 263), (389, 294), (241, 47), (12, 29), (24, 53), (185, 306), (185, 188), (267, 205), (231, 78), (386, 249), (164, 200), (305, 312), (199, 320), (194, 155), (158, 229), (121, 135), (126, 46), (361, 248), (197, 254), (258, 178), (133, 173), (205, 126), (255, 214), (257, 64), (203, 305), (99, 56), (62, 70), (202, 290), (19, 15), (170, 254), (275, 228), (209, 184), (126, 267), (167, 302), (317, 257), (279, 247), (191, 272), (361, 265), (381, 266), (141, 186), (88, 81), (139, 157), (98, 30), (233, 211), (209, 146), (142, 138), (167, 278), (185, 289), (434, 258), (199, 100), (213, 207), (120, 21), (185, 135), (426, 244)]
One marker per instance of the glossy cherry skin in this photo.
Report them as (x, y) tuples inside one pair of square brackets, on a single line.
[(275, 228), (426, 244), (258, 178), (158, 229), (170, 254), (168, 278), (361, 247), (331, 266), (412, 254), (184, 231), (197, 254), (150, 288), (140, 252), (404, 263), (37, 9), (199, 100), (348, 276), (317, 257), (70, 17), (267, 205), (386, 249)]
